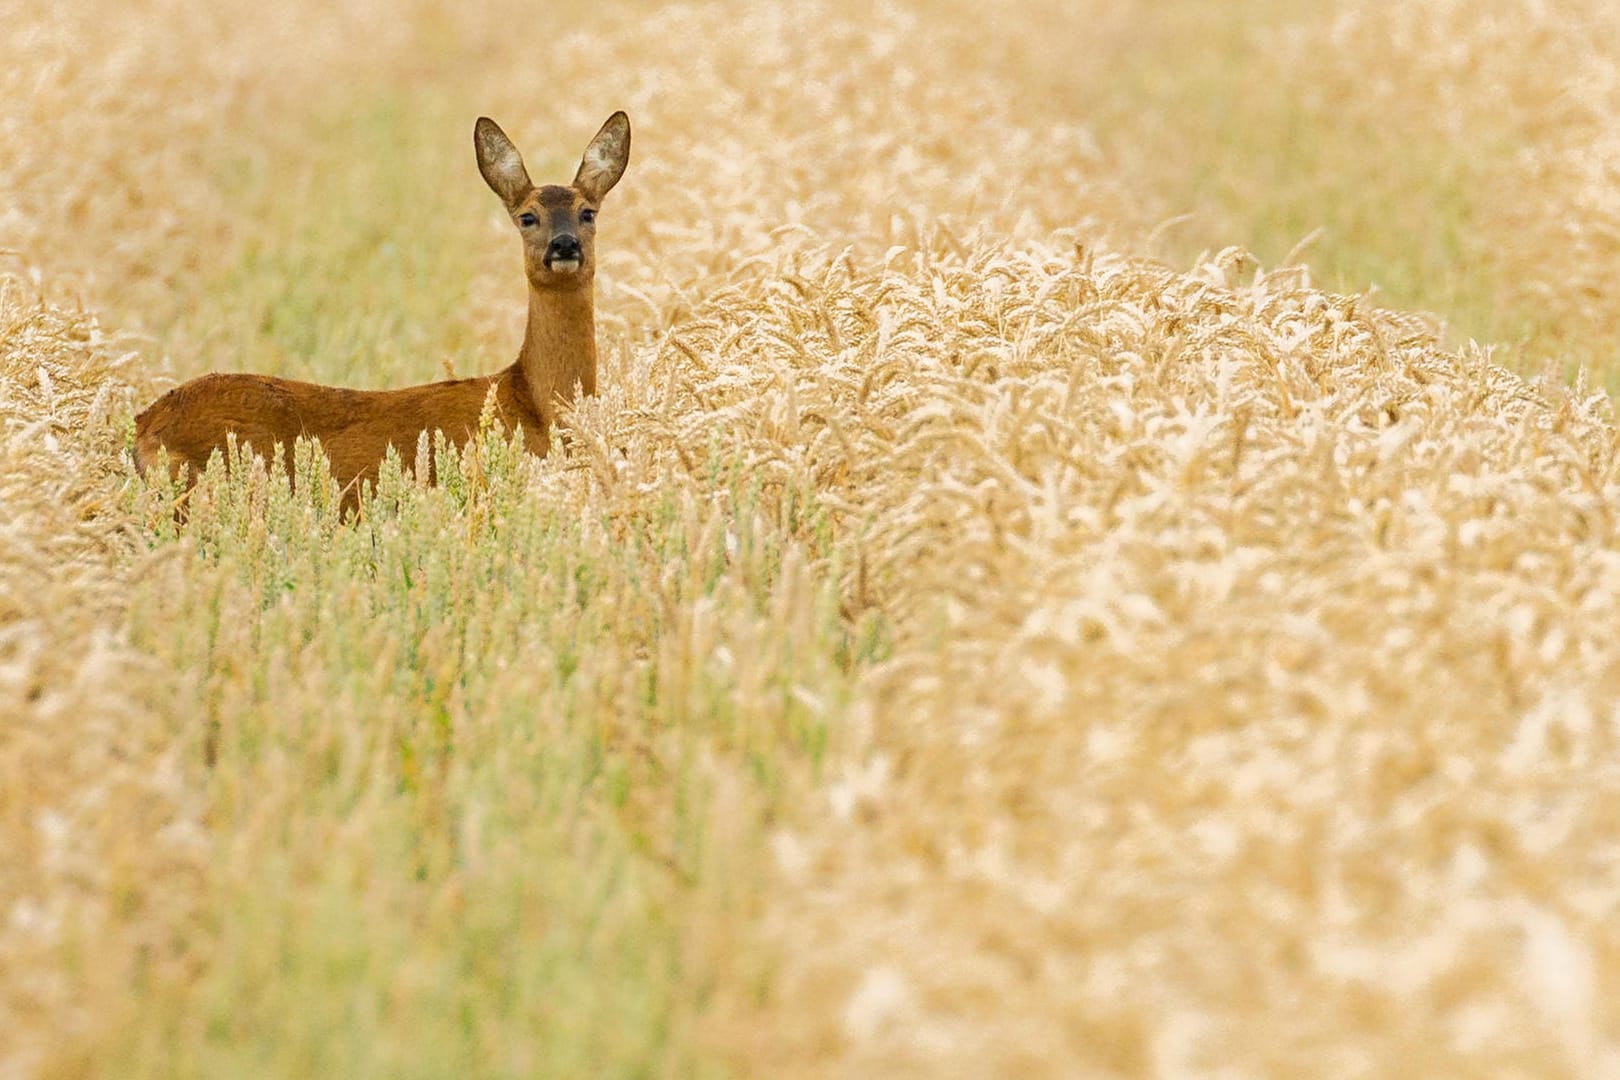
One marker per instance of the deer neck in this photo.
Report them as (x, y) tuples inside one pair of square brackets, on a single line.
[(559, 346)]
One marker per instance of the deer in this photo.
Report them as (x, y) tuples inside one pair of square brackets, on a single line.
[(355, 428)]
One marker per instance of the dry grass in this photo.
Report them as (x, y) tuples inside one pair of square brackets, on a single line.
[(953, 644), (1251, 698)]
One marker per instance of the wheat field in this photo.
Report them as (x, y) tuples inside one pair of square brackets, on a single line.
[(1097, 552)]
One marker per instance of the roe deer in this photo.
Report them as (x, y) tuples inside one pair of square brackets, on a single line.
[(356, 427)]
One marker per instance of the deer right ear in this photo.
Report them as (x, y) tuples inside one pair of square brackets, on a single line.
[(605, 158), (500, 162)]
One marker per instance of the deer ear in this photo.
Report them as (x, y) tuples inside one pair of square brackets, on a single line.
[(500, 162), (604, 159)]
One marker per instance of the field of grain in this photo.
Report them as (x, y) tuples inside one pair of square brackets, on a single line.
[(1097, 552)]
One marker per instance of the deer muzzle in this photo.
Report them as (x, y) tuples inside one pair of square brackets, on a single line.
[(564, 253)]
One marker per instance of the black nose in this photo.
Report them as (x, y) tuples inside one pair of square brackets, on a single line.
[(563, 248)]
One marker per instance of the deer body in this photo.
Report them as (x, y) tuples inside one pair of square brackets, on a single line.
[(356, 427)]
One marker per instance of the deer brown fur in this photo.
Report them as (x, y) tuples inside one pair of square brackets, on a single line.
[(356, 427)]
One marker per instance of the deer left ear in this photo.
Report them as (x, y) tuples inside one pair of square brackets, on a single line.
[(604, 159)]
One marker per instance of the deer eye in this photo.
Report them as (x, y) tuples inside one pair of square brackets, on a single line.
[(528, 221), (587, 215)]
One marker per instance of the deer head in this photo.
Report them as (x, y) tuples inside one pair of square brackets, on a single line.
[(557, 222)]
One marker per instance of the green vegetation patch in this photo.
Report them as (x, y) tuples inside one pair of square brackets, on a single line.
[(480, 766), (359, 246)]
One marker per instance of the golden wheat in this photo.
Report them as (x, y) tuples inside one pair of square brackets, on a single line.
[(952, 644), (1244, 638)]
